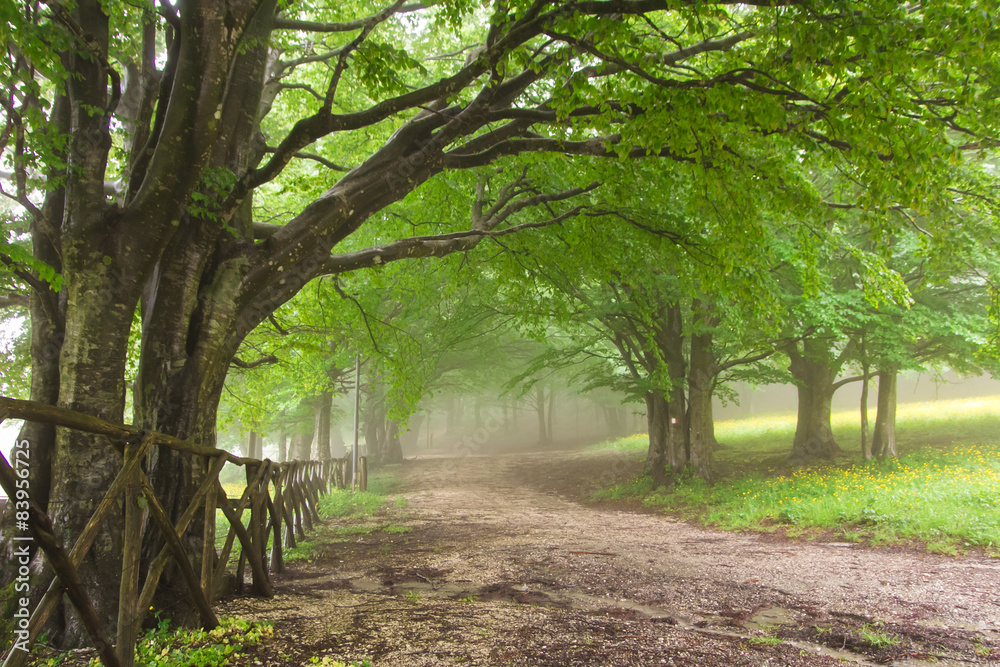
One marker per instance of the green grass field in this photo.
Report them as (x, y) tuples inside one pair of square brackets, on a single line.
[(943, 490)]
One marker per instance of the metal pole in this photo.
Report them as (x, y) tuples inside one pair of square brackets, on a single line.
[(357, 411)]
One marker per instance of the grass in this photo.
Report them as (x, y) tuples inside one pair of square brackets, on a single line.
[(944, 489), (170, 646), (876, 638), (353, 511)]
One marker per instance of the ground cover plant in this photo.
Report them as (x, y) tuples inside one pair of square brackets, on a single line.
[(168, 646), (943, 490), (345, 516)]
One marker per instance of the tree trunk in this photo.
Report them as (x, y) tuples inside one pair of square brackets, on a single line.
[(671, 343), (884, 435), (282, 446), (551, 436), (300, 446), (543, 438), (815, 371), (337, 444), (866, 452), (701, 429), (381, 433), (614, 417), (657, 417), (254, 447), (322, 429), (91, 382), (392, 451)]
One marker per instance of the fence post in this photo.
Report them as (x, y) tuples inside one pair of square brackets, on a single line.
[(261, 582), (44, 534), (277, 509), (255, 530), (302, 496), (288, 504), (128, 591), (208, 554)]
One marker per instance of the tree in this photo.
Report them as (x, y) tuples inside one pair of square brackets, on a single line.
[(198, 112)]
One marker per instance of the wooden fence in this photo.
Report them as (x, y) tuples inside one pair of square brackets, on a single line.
[(281, 517)]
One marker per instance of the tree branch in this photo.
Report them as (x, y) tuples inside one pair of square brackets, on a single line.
[(596, 147), (239, 363), (841, 383), (87, 43), (13, 301), (345, 26), (437, 245), (315, 158)]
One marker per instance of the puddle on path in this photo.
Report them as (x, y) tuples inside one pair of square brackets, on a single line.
[(988, 631), (770, 617)]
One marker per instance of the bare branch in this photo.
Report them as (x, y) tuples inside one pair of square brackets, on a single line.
[(286, 66), (428, 246), (361, 309), (596, 147), (269, 359), (841, 383), (345, 26), (13, 301), (315, 158)]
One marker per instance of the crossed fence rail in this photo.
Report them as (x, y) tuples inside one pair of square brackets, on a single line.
[(281, 517)]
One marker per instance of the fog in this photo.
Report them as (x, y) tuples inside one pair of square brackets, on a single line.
[(482, 425), (912, 387)]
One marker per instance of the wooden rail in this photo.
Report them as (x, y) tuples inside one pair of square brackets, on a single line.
[(279, 517)]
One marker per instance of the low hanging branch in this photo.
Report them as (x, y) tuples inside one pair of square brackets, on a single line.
[(269, 359), (13, 301), (346, 26), (440, 245)]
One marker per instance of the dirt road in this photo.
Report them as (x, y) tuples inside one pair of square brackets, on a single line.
[(497, 561)]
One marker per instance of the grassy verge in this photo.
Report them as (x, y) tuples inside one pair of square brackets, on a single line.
[(349, 516), (943, 490), (352, 509), (170, 646)]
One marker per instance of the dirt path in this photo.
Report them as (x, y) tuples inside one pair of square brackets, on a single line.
[(503, 565)]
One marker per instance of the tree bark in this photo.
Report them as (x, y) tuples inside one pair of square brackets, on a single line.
[(658, 418), (700, 382), (322, 429), (815, 370), (615, 418), (550, 435), (300, 445), (392, 451), (671, 343), (543, 434), (884, 435), (282, 446), (866, 451)]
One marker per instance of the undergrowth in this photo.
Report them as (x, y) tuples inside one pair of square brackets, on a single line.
[(168, 646), (353, 509), (944, 490)]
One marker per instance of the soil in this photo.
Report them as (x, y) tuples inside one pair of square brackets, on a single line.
[(502, 561), (506, 563)]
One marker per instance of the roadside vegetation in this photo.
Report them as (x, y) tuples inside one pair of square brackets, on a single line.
[(347, 515), (943, 489)]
